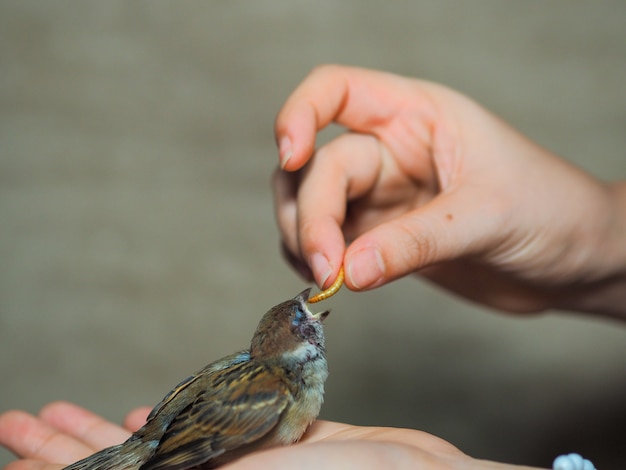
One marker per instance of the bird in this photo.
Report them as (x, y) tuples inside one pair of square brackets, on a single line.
[(261, 397)]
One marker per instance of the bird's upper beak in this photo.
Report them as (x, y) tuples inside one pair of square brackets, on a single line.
[(303, 297)]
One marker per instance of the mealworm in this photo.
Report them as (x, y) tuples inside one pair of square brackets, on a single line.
[(332, 290)]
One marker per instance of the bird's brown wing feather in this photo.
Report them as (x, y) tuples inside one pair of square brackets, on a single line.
[(223, 417), (175, 394)]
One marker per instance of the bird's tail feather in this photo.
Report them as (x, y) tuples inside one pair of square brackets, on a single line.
[(127, 456)]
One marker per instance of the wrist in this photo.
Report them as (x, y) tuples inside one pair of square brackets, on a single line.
[(602, 290)]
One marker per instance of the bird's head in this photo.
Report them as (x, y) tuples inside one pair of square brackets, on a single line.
[(289, 327)]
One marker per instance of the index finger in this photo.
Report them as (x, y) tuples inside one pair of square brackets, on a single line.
[(361, 100)]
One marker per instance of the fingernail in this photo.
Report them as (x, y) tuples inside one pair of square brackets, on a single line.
[(285, 151), (321, 268), (365, 268)]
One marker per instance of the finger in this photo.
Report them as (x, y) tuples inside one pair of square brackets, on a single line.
[(31, 437), (296, 263), (285, 191), (342, 170), (285, 187), (136, 418), (32, 464), (362, 100), (83, 425), (450, 226)]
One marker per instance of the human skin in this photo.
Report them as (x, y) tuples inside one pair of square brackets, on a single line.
[(63, 433), (427, 181)]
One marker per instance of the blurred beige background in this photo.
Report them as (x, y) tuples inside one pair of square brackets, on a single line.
[(137, 238)]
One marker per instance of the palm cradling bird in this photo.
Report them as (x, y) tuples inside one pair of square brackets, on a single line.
[(262, 397)]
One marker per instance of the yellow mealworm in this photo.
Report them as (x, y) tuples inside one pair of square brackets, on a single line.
[(332, 290)]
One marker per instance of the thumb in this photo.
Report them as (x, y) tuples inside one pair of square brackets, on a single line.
[(450, 226)]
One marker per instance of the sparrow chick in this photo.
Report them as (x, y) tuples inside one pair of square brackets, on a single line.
[(257, 398)]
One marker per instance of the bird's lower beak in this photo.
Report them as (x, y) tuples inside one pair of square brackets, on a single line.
[(321, 316)]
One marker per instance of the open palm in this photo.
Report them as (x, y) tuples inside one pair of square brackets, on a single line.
[(63, 433)]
